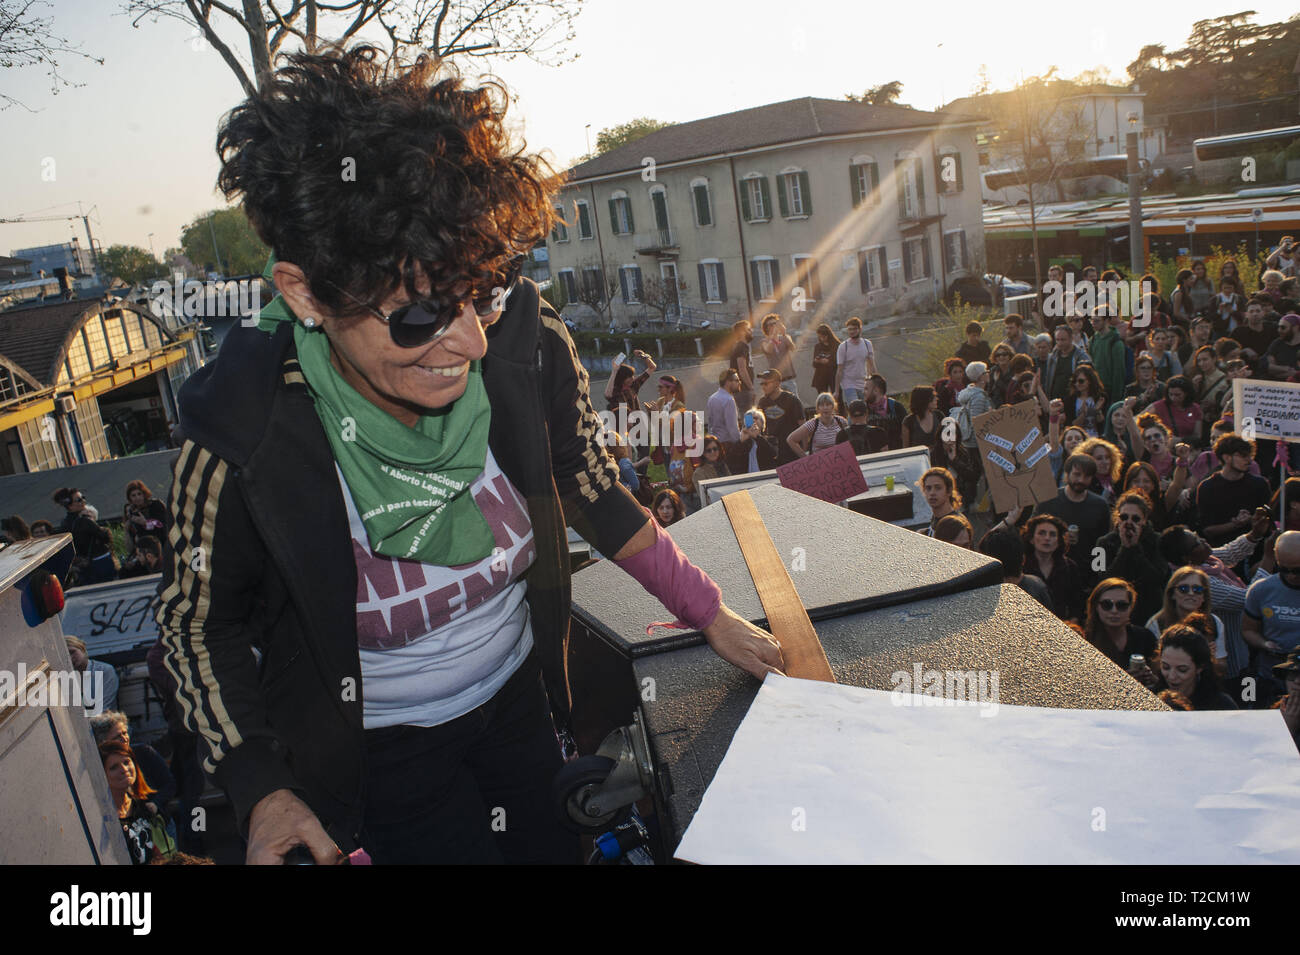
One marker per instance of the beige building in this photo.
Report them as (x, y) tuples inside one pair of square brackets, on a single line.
[(815, 209)]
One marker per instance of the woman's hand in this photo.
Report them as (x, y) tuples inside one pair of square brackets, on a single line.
[(1144, 676), (744, 645), (281, 821)]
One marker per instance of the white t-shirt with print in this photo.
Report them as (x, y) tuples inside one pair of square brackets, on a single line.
[(437, 642)]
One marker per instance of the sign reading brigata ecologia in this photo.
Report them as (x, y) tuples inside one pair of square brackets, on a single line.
[(831, 475), (1015, 454), (1267, 409)]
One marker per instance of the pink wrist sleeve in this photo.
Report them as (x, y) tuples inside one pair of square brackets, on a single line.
[(663, 570)]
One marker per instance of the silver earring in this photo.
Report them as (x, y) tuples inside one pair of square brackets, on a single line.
[(309, 322)]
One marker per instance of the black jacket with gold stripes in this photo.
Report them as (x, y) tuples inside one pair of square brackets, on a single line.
[(260, 553)]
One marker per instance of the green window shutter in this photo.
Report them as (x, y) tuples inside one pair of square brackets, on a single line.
[(722, 282), (659, 205), (702, 216), (907, 263), (776, 279), (959, 184), (753, 278), (806, 191), (855, 189), (900, 180), (781, 197), (766, 193), (920, 188), (744, 201), (613, 216), (864, 276), (628, 206), (874, 184), (622, 281), (926, 268), (704, 284), (883, 260)]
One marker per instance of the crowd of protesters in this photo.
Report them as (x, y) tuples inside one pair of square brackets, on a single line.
[(145, 520), (1165, 544)]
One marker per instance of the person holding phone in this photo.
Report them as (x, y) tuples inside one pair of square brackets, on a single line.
[(1284, 259)]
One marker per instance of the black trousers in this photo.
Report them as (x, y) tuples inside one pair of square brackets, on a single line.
[(475, 790)]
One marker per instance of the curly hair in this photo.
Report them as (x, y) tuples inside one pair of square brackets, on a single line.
[(1116, 456), (436, 186)]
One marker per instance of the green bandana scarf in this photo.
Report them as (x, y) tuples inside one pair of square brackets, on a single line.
[(411, 485)]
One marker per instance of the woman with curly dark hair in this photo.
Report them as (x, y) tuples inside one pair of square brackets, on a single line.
[(375, 479), (1045, 556)]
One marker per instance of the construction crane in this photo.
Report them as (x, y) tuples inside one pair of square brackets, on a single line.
[(85, 221)]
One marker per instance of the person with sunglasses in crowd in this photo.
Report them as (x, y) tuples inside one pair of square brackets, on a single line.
[(1188, 593), (1271, 620), (375, 480), (1132, 551), (1109, 628), (92, 543), (1181, 546)]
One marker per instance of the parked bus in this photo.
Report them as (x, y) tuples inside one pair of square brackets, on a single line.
[(1078, 179), (1217, 158)]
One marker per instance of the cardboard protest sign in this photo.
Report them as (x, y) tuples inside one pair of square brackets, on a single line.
[(832, 474), (1267, 409), (1015, 455)]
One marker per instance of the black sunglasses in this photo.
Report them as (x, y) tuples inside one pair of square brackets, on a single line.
[(1132, 518), (1190, 589), (1108, 605), (421, 323)]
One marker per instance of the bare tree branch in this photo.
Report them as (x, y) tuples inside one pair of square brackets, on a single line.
[(27, 39)]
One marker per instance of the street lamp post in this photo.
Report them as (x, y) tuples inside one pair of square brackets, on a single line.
[(1136, 258)]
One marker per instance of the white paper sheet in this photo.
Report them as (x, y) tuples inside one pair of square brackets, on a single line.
[(822, 773)]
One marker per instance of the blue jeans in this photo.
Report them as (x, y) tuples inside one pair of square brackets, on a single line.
[(851, 394), (472, 791)]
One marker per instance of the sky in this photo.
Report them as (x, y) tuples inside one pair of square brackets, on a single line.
[(135, 141)]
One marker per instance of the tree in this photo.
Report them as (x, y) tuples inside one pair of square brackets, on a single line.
[(1231, 75), (625, 133), (27, 39), (130, 263), (596, 288), (1038, 127), (661, 295), (886, 94), (238, 250), (538, 29)]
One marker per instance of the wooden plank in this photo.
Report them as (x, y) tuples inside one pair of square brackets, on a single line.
[(786, 618)]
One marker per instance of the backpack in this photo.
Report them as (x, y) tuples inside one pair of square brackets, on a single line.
[(962, 414)]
